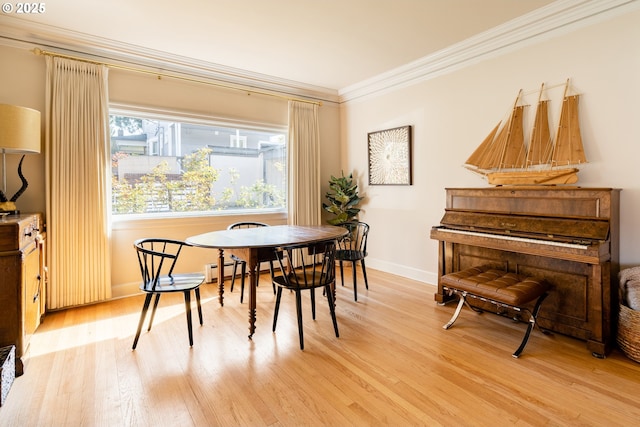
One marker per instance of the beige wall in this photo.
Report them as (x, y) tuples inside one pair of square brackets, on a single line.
[(453, 113), (22, 82)]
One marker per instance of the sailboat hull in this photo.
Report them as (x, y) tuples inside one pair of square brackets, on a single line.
[(534, 177)]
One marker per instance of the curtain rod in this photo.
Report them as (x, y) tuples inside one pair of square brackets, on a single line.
[(38, 51)]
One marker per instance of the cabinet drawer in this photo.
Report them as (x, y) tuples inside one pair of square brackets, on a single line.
[(17, 231)]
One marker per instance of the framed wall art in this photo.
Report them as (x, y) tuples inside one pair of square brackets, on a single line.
[(390, 156)]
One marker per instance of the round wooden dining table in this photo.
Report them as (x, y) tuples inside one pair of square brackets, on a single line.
[(255, 245)]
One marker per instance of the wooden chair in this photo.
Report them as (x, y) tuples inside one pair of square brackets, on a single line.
[(306, 267), (353, 248), (243, 265), (157, 259)]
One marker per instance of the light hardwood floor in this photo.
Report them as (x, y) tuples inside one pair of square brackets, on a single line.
[(393, 365)]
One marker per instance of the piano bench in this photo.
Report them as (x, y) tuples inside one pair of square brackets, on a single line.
[(497, 287)]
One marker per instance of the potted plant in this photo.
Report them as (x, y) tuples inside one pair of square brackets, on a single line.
[(343, 199)]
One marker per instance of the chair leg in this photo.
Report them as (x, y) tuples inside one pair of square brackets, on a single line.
[(233, 275), (197, 292), (153, 311), (145, 307), (258, 270), (313, 303), (333, 294), (187, 305), (299, 312), (364, 273), (341, 273), (272, 276), (332, 310), (275, 312), (243, 269), (355, 284)]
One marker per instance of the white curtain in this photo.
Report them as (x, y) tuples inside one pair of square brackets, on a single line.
[(77, 173), (305, 201)]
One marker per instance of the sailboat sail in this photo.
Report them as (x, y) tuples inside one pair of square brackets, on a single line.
[(540, 144), (568, 149), (512, 146), (504, 159), (480, 153), (503, 149)]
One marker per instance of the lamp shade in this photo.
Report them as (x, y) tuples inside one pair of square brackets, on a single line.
[(19, 129)]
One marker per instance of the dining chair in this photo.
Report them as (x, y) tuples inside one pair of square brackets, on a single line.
[(306, 267), (353, 248), (157, 259), (243, 265)]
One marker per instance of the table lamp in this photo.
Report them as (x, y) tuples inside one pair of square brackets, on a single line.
[(19, 133)]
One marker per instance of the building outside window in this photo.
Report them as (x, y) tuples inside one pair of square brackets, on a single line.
[(168, 165)]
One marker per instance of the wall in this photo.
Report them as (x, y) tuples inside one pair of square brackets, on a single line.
[(22, 82), (453, 113)]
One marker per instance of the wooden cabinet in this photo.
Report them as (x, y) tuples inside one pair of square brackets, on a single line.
[(21, 281)]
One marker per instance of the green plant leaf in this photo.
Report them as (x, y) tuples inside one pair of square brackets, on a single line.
[(343, 198)]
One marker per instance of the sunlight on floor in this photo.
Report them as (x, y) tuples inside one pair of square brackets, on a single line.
[(46, 340)]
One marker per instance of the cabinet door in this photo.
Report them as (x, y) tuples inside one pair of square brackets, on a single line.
[(31, 297)]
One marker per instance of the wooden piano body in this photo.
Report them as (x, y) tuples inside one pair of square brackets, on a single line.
[(566, 235)]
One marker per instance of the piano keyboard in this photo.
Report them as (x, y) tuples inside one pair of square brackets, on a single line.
[(514, 238)]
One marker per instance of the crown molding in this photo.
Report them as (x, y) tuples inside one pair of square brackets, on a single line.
[(557, 18), (24, 34)]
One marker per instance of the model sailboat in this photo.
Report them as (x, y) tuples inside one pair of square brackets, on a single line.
[(504, 159)]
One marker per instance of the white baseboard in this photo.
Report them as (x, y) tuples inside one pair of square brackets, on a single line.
[(403, 270)]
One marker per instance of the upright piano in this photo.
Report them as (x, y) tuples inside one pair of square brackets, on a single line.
[(566, 235)]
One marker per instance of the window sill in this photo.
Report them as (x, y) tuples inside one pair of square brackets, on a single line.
[(207, 220)]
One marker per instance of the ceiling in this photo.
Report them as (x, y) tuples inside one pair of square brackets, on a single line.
[(329, 44)]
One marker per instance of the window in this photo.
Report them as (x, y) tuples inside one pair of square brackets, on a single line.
[(170, 165)]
